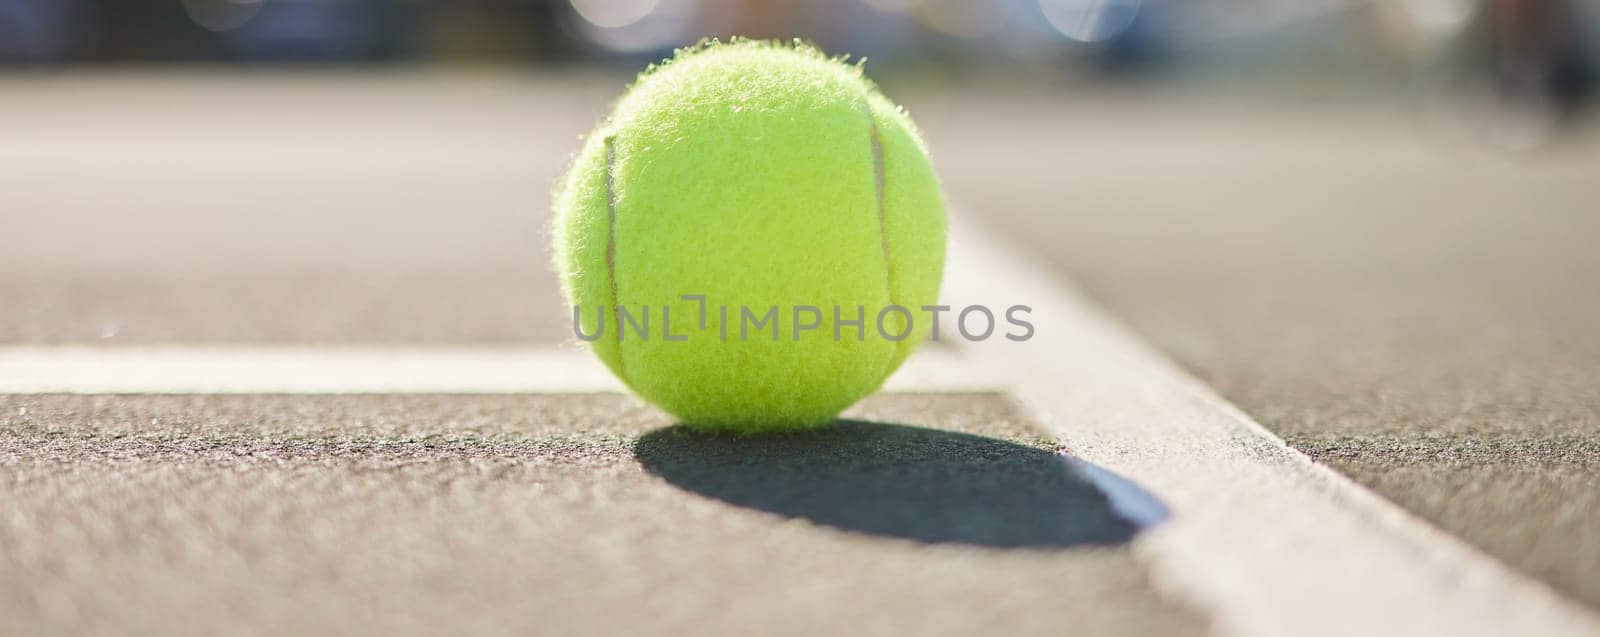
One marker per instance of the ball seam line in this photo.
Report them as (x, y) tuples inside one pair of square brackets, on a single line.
[(875, 138), (611, 251)]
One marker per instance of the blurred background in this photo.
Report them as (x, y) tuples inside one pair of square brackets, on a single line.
[(1535, 55)]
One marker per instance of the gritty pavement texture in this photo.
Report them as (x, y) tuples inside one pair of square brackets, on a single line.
[(1421, 314), (551, 514)]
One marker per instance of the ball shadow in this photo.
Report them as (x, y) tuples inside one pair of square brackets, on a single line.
[(908, 482)]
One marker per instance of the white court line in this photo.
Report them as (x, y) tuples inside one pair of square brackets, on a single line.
[(1261, 538), (296, 370), (323, 370)]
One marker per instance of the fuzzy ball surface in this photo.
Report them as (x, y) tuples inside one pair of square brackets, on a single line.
[(787, 198)]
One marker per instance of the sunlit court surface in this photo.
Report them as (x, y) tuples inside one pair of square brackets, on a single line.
[(1312, 294)]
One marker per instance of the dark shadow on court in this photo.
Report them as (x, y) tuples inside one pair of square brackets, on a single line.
[(908, 482)]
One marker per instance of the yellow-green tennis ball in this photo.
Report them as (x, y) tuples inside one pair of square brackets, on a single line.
[(757, 176)]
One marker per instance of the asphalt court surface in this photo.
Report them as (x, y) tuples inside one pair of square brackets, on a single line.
[(555, 514), (1418, 314)]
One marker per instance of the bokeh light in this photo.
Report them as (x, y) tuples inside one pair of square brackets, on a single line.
[(1090, 20), (222, 15), (632, 26), (612, 14), (1440, 15)]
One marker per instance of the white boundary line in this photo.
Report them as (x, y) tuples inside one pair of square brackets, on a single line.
[(322, 370), (1262, 538), (295, 370)]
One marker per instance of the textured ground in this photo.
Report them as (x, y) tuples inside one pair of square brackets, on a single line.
[(548, 514), (1421, 314)]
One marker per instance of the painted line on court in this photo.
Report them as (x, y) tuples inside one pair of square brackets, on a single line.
[(1262, 538), (321, 370)]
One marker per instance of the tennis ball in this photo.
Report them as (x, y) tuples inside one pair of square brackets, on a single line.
[(782, 192)]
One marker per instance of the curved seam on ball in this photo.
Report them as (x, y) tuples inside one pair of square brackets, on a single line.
[(875, 137), (611, 252)]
